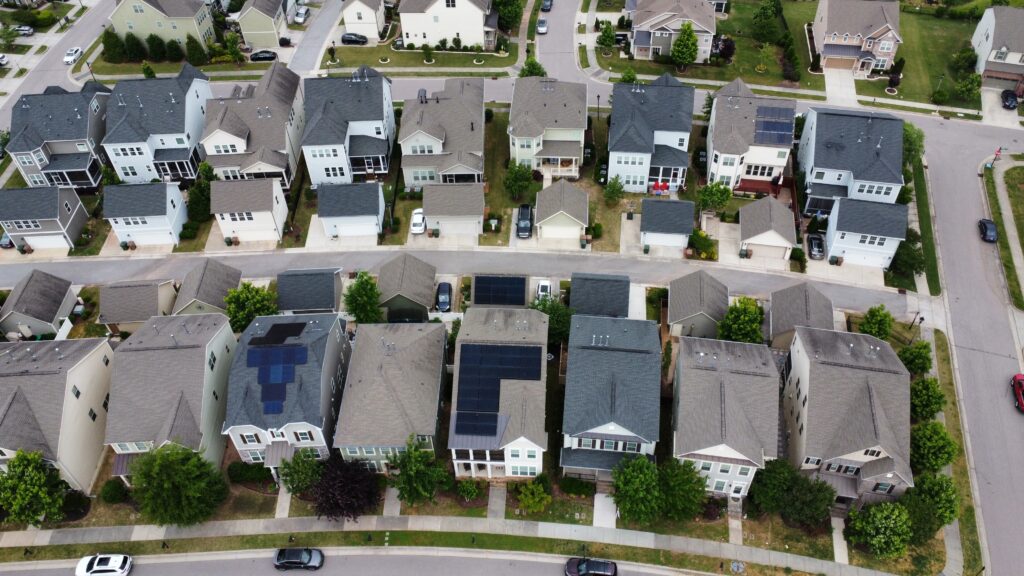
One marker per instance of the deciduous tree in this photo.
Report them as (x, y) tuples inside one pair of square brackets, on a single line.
[(637, 490), (362, 299), (877, 322), (559, 318), (301, 472), (346, 490), (510, 12), (245, 303), (30, 490), (683, 490), (606, 39), (883, 528), (628, 76), (932, 503), (233, 48), (771, 488), (614, 191), (926, 399), (517, 180), (684, 48), (175, 485), (8, 35), (742, 322), (532, 68), (931, 447), (809, 503), (533, 499), (714, 196), (418, 474), (913, 142), (917, 357)]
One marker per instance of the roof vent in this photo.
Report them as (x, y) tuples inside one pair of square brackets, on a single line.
[(171, 94)]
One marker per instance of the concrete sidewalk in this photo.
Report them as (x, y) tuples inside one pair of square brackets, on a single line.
[(1013, 239)]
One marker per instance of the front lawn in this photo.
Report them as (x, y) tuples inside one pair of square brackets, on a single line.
[(244, 503), (717, 530), (16, 48), (85, 325), (769, 531), (93, 236), (496, 201), (103, 68), (354, 56), (16, 180), (564, 509), (197, 244), (449, 505), (1009, 268), (924, 213)]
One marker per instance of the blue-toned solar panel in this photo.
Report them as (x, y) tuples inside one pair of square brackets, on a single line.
[(273, 407), (275, 369), (273, 392), (499, 290)]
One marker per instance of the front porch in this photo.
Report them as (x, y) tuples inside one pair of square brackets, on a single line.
[(78, 170), (461, 177)]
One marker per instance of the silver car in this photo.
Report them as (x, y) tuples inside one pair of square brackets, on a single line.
[(542, 26)]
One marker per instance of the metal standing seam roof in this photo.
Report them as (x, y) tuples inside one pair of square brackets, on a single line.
[(563, 197), (766, 215), (54, 115), (697, 293), (406, 275), (125, 200), (874, 218), (863, 17), (455, 116), (243, 195), (209, 283), (867, 144), (37, 295), (666, 216), (453, 200), (640, 110), (346, 200), (130, 301), (139, 108), (41, 203), (599, 294), (539, 104), (331, 103), (733, 124), (799, 305), (309, 289)]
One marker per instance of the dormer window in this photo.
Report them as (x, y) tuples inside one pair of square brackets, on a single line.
[(846, 37)]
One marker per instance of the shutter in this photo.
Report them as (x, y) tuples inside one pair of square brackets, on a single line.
[(258, 440), (296, 436), (244, 441)]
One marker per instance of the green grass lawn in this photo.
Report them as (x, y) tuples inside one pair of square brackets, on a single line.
[(584, 59), (769, 531), (403, 211), (1009, 269), (531, 32), (16, 48), (96, 231), (16, 181), (104, 68), (717, 530), (563, 510), (353, 56), (496, 153), (924, 213), (85, 57), (610, 5), (42, 49), (60, 10)]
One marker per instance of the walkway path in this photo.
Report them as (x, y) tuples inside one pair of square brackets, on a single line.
[(392, 505), (842, 555), (284, 502), (496, 502), (605, 511)]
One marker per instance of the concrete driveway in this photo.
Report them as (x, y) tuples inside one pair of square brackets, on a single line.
[(840, 88), (992, 110)]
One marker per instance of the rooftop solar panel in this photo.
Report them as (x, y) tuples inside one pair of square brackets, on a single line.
[(273, 392), (275, 369), (273, 407), (499, 290), (476, 423), (482, 367)]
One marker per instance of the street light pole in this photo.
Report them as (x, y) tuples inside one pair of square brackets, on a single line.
[(598, 106)]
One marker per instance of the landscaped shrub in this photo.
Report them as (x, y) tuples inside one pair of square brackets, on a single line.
[(800, 257), (940, 96), (488, 115), (114, 491), (712, 509), (45, 19), (597, 230), (241, 472), (189, 230), (174, 52), (544, 482), (576, 487)]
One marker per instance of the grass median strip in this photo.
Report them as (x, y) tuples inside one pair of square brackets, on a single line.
[(1009, 269), (584, 60), (924, 214)]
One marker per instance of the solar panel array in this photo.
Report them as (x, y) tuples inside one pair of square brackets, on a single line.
[(773, 125), (499, 290), (482, 367), (275, 370)]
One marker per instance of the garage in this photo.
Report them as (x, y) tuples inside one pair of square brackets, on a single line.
[(841, 63), (999, 83), (350, 226), (767, 229), (563, 212), (45, 241), (456, 224), (148, 237), (454, 209), (561, 227)]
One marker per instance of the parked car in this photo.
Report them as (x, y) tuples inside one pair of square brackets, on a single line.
[(542, 26), (3, 59), (816, 247), (351, 38), (299, 558), (301, 15), (284, 41), (72, 55), (546, 5), (25, 30), (987, 229), (1017, 386), (524, 222), (263, 56), (590, 567), (543, 289), (398, 43), (105, 564), (621, 38), (444, 297), (1010, 100), (5, 242), (602, 174), (418, 224)]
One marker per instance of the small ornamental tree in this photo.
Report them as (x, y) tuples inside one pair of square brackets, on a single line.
[(346, 490), (926, 399), (809, 503), (509, 13), (917, 357), (877, 322), (742, 322), (174, 53), (194, 51), (713, 196), (913, 142), (134, 49), (606, 39), (727, 49), (156, 47), (883, 528), (969, 87), (628, 76), (909, 257), (233, 48), (113, 47), (614, 191), (559, 319), (418, 474), (362, 300), (175, 485), (301, 472), (931, 447), (532, 68), (469, 490), (147, 70), (31, 491), (532, 497), (932, 503), (637, 489), (766, 23), (517, 180), (8, 35), (109, 176), (199, 194), (245, 303), (684, 49), (770, 490), (683, 490)]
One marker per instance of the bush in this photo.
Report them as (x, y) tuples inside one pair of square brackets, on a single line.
[(883, 528), (917, 357), (926, 399), (597, 230), (469, 490), (940, 96), (114, 491), (577, 487), (174, 52), (195, 53), (113, 47), (157, 48), (931, 447), (239, 472), (712, 510), (544, 482), (877, 322), (45, 19), (800, 257), (24, 16), (189, 230), (488, 115), (134, 49)]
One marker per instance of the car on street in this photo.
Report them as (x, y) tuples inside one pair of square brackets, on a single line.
[(3, 59), (263, 56), (987, 229), (25, 30), (590, 567), (301, 15), (72, 55), (351, 38), (444, 297), (418, 224), (542, 26), (543, 289), (1010, 100), (816, 247), (524, 221), (546, 5), (602, 174), (1017, 386), (5, 242), (104, 565), (299, 559)]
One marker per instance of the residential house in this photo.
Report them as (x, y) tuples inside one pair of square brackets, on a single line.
[(666, 223), (470, 22), (42, 218), (858, 35), (55, 136), (39, 304), (697, 302), (799, 305), (53, 400), (351, 209), (1000, 49), (169, 385), (145, 214), (767, 229), (205, 287), (454, 209), (249, 210), (599, 294), (255, 133), (500, 290), (168, 19), (726, 412), (309, 290), (392, 392), (364, 17), (612, 395), (657, 24), (749, 139), (498, 396), (563, 212), (846, 404), (442, 136), (406, 286), (850, 154), (127, 305), (865, 233), (650, 133), (154, 125), (350, 127), (260, 22), (546, 125), (284, 387)]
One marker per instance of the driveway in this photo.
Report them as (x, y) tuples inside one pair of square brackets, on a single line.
[(840, 88), (992, 110), (318, 34)]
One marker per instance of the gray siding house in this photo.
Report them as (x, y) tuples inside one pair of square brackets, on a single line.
[(42, 218), (39, 304)]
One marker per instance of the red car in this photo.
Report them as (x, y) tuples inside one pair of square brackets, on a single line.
[(1017, 386)]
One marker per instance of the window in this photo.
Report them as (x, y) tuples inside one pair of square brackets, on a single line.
[(92, 414), (334, 171), (76, 391), (885, 46), (95, 106), (586, 442), (514, 453), (883, 488), (352, 451), (607, 444), (705, 466), (129, 171), (82, 147), (851, 470), (39, 156), (215, 396), (37, 180), (449, 3), (24, 159), (225, 149), (725, 468), (870, 43), (758, 170), (429, 148), (377, 131), (173, 204), (719, 485), (842, 235), (831, 467), (531, 454), (811, 460), (250, 439), (179, 141), (782, 154), (727, 180), (371, 465), (385, 451), (24, 224), (424, 176), (681, 143), (728, 161), (744, 470), (369, 451), (306, 436), (359, 15), (715, 158), (863, 239), (632, 447), (881, 241), (873, 453), (801, 431), (846, 37), (255, 455), (804, 402), (212, 361)]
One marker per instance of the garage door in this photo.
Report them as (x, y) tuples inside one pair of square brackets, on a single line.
[(451, 226), (361, 229), (844, 63), (999, 83), (47, 241), (151, 238), (766, 251), (552, 232)]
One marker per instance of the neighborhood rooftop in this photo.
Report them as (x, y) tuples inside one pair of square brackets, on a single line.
[(767, 215), (863, 17), (55, 115), (599, 294), (563, 196), (868, 144), (241, 196), (453, 200), (872, 218), (638, 110), (743, 119), (309, 289), (130, 301), (695, 293), (140, 108), (38, 295), (209, 283), (139, 200), (332, 103), (339, 200), (800, 305), (41, 203), (666, 216), (546, 103), (455, 117), (408, 276)]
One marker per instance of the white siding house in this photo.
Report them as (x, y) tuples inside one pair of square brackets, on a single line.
[(865, 233), (364, 17), (146, 214), (351, 209), (250, 210), (473, 22), (546, 125)]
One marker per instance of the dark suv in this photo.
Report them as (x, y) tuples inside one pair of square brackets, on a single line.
[(524, 222), (590, 567)]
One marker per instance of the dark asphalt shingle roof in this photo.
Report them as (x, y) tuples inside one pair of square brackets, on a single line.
[(130, 301), (599, 294), (52, 116), (29, 203), (667, 216), (664, 105), (875, 218), (764, 215), (331, 103), (139, 108), (340, 200), (868, 144), (209, 283), (1009, 21), (408, 276), (734, 121), (38, 295), (799, 305), (126, 200), (309, 289), (563, 196)]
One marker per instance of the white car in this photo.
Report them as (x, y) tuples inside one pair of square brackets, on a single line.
[(72, 55), (301, 15), (3, 59), (104, 565), (418, 225), (542, 26), (543, 289), (25, 30)]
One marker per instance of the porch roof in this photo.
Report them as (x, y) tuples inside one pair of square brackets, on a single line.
[(63, 162), (367, 146), (278, 451), (560, 149), (171, 155), (846, 51)]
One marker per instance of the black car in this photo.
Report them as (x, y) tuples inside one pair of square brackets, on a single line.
[(299, 558), (1010, 100), (524, 222), (263, 56), (351, 38), (590, 567), (546, 5), (987, 228), (816, 246), (444, 297)]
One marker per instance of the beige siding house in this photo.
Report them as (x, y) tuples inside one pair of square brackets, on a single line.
[(168, 19), (546, 125), (39, 304), (260, 21), (562, 212), (204, 288), (858, 35), (126, 306), (697, 302)]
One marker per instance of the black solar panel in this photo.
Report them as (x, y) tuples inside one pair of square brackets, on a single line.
[(482, 367), (773, 126), (499, 290), (476, 423)]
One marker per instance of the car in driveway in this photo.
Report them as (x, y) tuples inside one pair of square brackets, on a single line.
[(1009, 99), (301, 15), (72, 55), (444, 297), (3, 60), (104, 565), (5, 242), (815, 247), (263, 56), (542, 26), (25, 30), (987, 229), (418, 224), (524, 221), (590, 567), (543, 289), (546, 5), (1017, 386), (299, 559), (353, 39)]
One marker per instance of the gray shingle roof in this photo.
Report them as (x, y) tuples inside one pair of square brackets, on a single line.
[(130, 301), (455, 116), (652, 13), (393, 385), (268, 7), (613, 376), (735, 114), (29, 203), (664, 105), (764, 215), (331, 103), (863, 217), (868, 144), (340, 200), (453, 200), (126, 200), (177, 8), (544, 103), (157, 379), (799, 305), (408, 276), (242, 195), (599, 294), (54, 115), (209, 283), (419, 6), (563, 196), (696, 293), (309, 289), (862, 17), (1009, 21), (728, 393), (139, 108), (666, 216), (38, 295)]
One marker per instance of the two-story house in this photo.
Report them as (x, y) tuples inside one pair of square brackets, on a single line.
[(858, 35), (612, 395), (146, 214), (726, 412), (392, 392), (285, 385), (546, 125), (260, 22), (42, 218), (366, 17), (350, 127), (168, 19), (55, 136), (846, 411), (255, 133), (39, 304), (865, 233), (657, 23), (169, 384), (53, 400), (472, 22), (442, 135), (749, 139), (1000, 48), (249, 210), (154, 126), (649, 134), (498, 395), (697, 302)]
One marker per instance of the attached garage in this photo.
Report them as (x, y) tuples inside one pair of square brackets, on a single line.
[(44, 241), (666, 222), (841, 63), (454, 209), (767, 229), (563, 212), (351, 209)]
